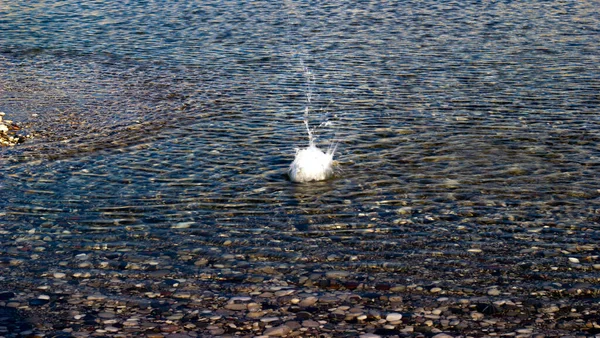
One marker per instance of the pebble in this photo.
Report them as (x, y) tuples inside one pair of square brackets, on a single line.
[(493, 292), (337, 274), (277, 331), (524, 331), (59, 275), (477, 315), (96, 297), (269, 319), (309, 301), (393, 317), (549, 309), (112, 329), (310, 323), (283, 293), (236, 306), (106, 315)]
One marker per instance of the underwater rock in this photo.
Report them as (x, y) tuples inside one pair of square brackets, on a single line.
[(8, 130)]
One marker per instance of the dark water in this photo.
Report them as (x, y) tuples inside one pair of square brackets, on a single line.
[(164, 130)]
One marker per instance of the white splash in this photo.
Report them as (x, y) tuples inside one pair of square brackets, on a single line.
[(312, 164)]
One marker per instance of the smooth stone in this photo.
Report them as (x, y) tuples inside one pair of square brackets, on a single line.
[(393, 317), (277, 331), (408, 329), (309, 301), (476, 315), (217, 332), (303, 315), (283, 293), (236, 306), (524, 331), (96, 297), (177, 335), (269, 319), (201, 262), (493, 292), (294, 325), (106, 315), (337, 274), (310, 323), (405, 211), (255, 314), (549, 309), (395, 299)]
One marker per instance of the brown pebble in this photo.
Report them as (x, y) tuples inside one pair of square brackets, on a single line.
[(236, 306), (309, 301), (310, 323), (169, 328), (277, 331)]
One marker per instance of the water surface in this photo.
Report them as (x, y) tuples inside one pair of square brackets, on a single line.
[(468, 138)]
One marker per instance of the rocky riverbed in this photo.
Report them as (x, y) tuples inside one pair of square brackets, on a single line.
[(105, 293)]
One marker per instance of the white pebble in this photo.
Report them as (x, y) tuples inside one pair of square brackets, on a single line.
[(59, 275), (393, 317)]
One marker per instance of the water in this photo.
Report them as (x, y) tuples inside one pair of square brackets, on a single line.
[(164, 130)]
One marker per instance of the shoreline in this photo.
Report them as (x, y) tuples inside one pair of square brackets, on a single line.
[(319, 304)]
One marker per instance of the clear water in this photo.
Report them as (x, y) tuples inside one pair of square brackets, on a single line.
[(164, 131)]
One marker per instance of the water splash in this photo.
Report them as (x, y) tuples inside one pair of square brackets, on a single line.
[(311, 163)]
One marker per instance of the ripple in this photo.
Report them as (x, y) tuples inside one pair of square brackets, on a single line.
[(467, 141)]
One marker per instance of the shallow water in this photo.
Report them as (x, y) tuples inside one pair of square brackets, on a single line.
[(164, 132)]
